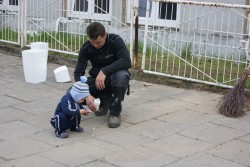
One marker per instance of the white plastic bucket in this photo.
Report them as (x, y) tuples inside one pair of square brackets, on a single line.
[(35, 65), (62, 74), (39, 45)]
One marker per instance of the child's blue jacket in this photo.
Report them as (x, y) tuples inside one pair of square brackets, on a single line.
[(68, 106)]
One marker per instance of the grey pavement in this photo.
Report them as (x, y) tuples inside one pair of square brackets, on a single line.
[(162, 126)]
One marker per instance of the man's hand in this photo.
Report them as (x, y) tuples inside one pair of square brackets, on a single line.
[(90, 102), (100, 81)]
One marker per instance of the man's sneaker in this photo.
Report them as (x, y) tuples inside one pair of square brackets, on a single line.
[(114, 121), (62, 135), (77, 129)]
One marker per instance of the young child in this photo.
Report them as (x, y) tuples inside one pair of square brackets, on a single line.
[(69, 110)]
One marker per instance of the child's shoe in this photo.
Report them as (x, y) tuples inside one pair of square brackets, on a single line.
[(61, 135), (77, 129)]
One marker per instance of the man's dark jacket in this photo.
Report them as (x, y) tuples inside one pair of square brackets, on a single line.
[(112, 57)]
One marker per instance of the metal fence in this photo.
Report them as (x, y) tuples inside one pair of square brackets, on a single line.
[(207, 42), (196, 41), (61, 23)]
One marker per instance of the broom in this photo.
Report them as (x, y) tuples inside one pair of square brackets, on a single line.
[(232, 103)]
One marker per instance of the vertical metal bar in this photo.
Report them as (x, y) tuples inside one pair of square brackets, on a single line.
[(188, 41), (219, 54), (234, 32), (226, 58), (145, 37), (181, 41), (22, 19), (212, 49), (206, 45), (248, 34), (131, 29), (157, 49), (196, 29), (32, 8), (175, 48), (245, 20), (136, 40), (199, 56), (162, 49)]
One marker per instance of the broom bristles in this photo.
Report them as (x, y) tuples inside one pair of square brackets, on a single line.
[(232, 103)]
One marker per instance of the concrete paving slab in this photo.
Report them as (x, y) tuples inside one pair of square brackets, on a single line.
[(98, 163), (152, 109), (2, 161), (203, 160), (104, 145), (236, 151), (35, 161), (196, 97), (153, 128), (6, 101), (76, 154), (245, 138), (6, 60), (186, 118), (124, 139), (48, 137), (144, 94), (161, 91), (212, 133), (99, 125), (17, 86), (40, 106), (238, 124), (16, 129), (41, 121), (140, 156), (209, 107), (10, 114), (33, 94), (4, 82), (21, 147), (179, 146)]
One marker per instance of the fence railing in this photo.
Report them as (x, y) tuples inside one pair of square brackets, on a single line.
[(208, 44), (195, 41)]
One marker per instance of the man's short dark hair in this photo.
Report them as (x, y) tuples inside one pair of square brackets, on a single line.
[(95, 29)]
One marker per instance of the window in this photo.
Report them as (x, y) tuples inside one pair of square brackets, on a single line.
[(102, 6), (142, 8), (13, 2), (9, 5), (164, 14), (167, 11), (81, 5), (90, 9)]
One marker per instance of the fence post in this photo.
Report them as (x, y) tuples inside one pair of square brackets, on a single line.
[(145, 38), (245, 23), (22, 23), (136, 36), (131, 29)]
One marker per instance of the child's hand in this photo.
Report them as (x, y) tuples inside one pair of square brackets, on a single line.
[(84, 111)]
